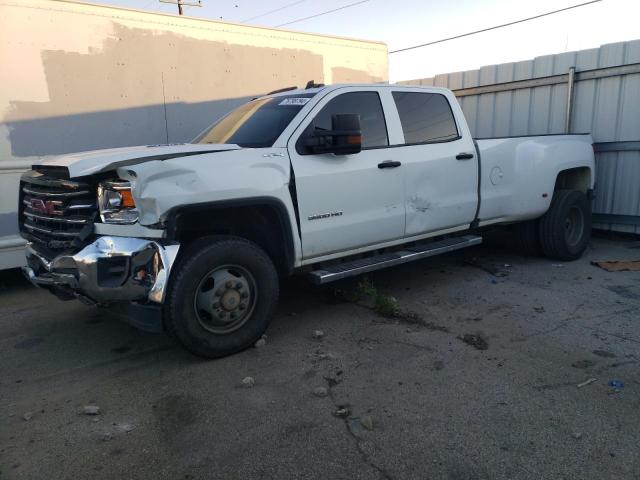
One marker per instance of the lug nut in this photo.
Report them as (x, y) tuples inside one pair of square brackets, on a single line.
[(216, 305), (229, 284), (233, 314), (244, 294), (238, 285)]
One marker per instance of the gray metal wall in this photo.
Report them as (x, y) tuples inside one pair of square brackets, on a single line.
[(530, 98)]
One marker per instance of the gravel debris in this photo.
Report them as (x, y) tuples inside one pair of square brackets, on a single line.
[(91, 410), (343, 411), (318, 334), (248, 382), (320, 392), (124, 427), (586, 382), (367, 422)]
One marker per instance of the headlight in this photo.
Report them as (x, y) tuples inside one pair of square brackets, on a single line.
[(116, 202)]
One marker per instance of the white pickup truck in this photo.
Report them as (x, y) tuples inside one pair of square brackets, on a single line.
[(327, 181)]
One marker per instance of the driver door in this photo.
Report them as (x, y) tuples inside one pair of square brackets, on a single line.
[(348, 201)]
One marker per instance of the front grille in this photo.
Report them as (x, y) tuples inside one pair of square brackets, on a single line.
[(55, 212)]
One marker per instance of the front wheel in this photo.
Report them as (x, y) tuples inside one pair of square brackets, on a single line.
[(222, 296), (565, 229)]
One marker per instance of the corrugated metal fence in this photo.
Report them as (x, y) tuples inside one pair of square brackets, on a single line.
[(530, 98)]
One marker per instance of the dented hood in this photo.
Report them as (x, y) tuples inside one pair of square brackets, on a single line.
[(88, 163)]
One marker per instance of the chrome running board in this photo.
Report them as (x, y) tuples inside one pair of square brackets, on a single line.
[(331, 273)]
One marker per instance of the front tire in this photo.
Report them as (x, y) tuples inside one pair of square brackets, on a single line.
[(565, 229), (222, 296)]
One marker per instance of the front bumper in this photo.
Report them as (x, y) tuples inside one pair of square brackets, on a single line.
[(111, 269)]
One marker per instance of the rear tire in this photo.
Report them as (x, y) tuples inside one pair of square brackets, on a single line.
[(222, 296), (565, 229)]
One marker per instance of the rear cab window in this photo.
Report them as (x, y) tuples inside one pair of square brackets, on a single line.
[(425, 117)]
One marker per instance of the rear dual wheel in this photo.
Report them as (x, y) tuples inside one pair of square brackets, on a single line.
[(562, 233), (223, 293), (565, 230)]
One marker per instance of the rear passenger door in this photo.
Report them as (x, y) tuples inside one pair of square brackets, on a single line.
[(439, 162)]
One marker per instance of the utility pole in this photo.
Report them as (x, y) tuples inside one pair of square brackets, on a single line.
[(181, 3)]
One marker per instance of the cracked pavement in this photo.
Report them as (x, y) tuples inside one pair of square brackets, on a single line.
[(441, 408)]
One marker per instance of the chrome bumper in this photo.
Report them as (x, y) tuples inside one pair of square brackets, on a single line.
[(108, 270)]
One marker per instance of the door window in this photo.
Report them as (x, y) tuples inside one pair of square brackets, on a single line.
[(368, 106), (425, 117)]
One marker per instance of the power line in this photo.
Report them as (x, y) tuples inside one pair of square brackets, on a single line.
[(274, 11), (493, 28), (326, 13)]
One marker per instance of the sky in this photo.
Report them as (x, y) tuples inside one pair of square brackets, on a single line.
[(403, 23)]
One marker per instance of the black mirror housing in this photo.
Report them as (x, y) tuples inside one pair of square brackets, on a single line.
[(344, 138)]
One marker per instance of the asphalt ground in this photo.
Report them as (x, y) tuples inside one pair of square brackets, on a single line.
[(476, 377)]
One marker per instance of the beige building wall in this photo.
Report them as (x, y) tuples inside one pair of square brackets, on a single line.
[(77, 76)]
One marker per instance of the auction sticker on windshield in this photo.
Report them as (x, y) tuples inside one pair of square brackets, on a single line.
[(299, 101)]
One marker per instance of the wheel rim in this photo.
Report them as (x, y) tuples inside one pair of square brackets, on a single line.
[(574, 226), (225, 299)]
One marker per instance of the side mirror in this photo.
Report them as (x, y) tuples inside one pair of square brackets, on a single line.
[(344, 138)]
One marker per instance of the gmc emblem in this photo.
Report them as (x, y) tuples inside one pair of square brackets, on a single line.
[(48, 207)]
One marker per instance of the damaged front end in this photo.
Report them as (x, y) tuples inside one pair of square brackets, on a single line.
[(72, 253), (111, 269)]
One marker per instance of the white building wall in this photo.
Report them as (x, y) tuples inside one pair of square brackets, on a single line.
[(77, 76)]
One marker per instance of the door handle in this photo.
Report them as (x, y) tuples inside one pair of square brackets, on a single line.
[(464, 156), (389, 164)]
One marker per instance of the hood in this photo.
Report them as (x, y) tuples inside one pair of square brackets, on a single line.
[(95, 161)]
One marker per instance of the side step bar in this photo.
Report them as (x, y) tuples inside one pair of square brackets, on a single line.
[(331, 273)]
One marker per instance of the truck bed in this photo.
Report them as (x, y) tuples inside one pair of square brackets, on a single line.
[(518, 174)]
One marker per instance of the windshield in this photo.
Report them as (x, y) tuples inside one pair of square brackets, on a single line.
[(256, 124)]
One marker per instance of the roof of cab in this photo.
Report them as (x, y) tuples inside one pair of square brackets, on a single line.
[(327, 88)]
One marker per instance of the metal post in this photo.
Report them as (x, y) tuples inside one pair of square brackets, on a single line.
[(182, 3), (570, 82)]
